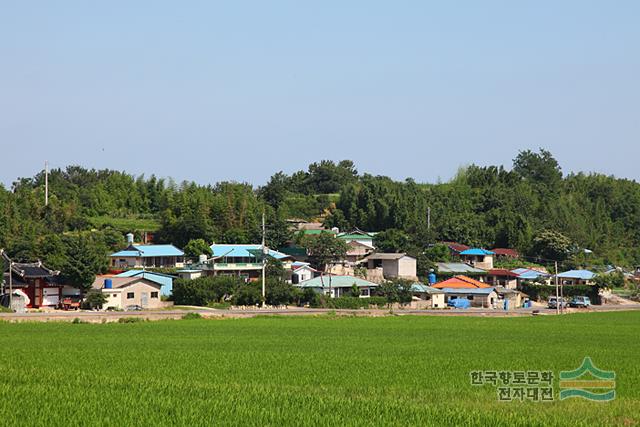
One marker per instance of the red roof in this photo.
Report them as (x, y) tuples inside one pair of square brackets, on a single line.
[(462, 282), (506, 252), (501, 272), (457, 247)]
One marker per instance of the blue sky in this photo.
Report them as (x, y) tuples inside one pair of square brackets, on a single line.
[(237, 90)]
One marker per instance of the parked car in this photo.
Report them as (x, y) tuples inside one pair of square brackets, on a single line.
[(133, 308), (557, 303), (580, 302)]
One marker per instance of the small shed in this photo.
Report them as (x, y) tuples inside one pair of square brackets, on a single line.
[(427, 297)]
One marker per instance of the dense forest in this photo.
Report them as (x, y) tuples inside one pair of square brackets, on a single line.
[(532, 207)]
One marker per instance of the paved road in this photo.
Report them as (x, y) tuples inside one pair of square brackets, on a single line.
[(93, 316)]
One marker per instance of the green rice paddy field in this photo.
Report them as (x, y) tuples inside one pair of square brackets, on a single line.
[(309, 370)]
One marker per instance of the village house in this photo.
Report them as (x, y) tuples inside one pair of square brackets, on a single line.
[(302, 271), (126, 292), (338, 286), (530, 275), (577, 277), (391, 266), (148, 256), (505, 253), (357, 251), (478, 293), (242, 260), (455, 248), (359, 236), (502, 277), (164, 280), (425, 297), (478, 258), (448, 269)]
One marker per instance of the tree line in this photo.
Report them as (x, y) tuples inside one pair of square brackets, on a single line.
[(531, 206)]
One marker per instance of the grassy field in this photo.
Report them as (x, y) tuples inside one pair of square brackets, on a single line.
[(309, 370)]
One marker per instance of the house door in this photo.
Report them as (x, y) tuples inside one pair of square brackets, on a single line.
[(144, 299)]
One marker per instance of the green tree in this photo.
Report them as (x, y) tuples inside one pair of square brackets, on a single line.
[(324, 249), (84, 259), (552, 245), (197, 247)]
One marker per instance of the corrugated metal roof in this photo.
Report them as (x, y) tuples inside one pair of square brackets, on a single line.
[(424, 289), (476, 251), (336, 282), (387, 256), (528, 274), (242, 251), (146, 251), (577, 274), (457, 268)]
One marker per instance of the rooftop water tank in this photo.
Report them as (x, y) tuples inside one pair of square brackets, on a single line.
[(108, 283), (130, 238), (202, 259)]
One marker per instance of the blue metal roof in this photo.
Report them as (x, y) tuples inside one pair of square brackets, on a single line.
[(164, 280), (242, 251), (528, 274), (146, 251), (477, 251), (577, 274)]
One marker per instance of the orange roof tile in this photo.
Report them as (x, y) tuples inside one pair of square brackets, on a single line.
[(462, 282)]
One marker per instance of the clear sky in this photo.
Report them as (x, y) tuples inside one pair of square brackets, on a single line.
[(237, 90)]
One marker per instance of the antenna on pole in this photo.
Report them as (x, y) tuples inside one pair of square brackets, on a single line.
[(46, 183), (558, 302)]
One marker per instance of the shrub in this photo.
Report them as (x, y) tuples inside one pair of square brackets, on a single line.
[(248, 294), (94, 299), (190, 316), (204, 290), (130, 320)]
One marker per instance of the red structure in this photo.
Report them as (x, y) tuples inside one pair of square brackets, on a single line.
[(41, 284)]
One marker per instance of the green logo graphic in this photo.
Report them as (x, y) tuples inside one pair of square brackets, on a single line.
[(588, 382)]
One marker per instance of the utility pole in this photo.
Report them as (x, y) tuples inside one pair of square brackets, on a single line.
[(558, 303), (46, 183), (428, 217), (264, 263), (4, 255)]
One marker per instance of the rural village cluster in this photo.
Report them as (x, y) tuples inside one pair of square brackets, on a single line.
[(138, 278)]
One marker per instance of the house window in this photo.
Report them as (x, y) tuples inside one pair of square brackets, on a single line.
[(114, 295), (130, 295), (364, 292), (470, 297), (154, 295)]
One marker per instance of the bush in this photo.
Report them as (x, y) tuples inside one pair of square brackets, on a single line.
[(130, 320), (94, 299), (204, 290), (352, 303), (248, 294), (190, 316)]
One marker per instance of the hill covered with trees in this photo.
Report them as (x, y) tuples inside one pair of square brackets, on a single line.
[(532, 207)]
